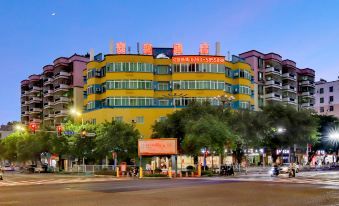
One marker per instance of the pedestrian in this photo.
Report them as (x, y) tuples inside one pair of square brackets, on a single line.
[(1, 173)]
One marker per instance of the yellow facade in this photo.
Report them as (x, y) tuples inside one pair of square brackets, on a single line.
[(142, 89)]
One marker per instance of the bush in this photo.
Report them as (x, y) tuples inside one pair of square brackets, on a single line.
[(155, 175), (207, 173), (157, 171), (190, 168)]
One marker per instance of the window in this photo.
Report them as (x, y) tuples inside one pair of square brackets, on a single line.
[(331, 98), (128, 101), (331, 108), (162, 69), (321, 109), (129, 84), (260, 63), (162, 119), (118, 118), (128, 67), (163, 86), (321, 91), (199, 84), (140, 120), (322, 100), (331, 89)]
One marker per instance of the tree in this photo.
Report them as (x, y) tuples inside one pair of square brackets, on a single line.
[(285, 126), (175, 124), (118, 137), (207, 132)]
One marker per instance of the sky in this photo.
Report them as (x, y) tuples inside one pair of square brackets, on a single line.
[(35, 32)]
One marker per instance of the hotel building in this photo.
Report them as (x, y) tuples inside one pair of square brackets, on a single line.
[(47, 97), (327, 97), (280, 80), (144, 88)]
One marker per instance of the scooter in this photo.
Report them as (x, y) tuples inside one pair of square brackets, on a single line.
[(274, 172)]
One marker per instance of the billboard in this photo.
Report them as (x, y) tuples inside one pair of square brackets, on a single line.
[(154, 147), (198, 59)]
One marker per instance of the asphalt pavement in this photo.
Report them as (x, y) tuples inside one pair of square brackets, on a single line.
[(254, 189)]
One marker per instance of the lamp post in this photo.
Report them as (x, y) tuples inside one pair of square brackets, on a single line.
[(333, 137), (225, 100), (20, 128), (74, 112)]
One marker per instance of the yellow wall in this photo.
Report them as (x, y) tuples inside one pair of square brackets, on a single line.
[(152, 114)]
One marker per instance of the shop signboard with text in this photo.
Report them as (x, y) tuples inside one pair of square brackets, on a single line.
[(154, 147), (198, 59)]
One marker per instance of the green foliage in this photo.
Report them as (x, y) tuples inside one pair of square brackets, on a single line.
[(119, 137), (207, 173), (157, 170), (207, 132)]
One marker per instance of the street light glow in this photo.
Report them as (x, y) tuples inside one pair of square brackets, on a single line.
[(75, 112), (333, 135), (19, 127), (280, 130)]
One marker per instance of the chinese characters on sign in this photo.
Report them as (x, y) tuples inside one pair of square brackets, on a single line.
[(121, 48), (177, 49), (152, 147), (198, 59), (147, 49), (203, 49)]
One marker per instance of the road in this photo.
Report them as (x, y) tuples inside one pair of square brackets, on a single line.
[(309, 188)]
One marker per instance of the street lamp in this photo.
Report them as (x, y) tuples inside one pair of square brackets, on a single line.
[(333, 137), (76, 113), (281, 130), (20, 128), (224, 99)]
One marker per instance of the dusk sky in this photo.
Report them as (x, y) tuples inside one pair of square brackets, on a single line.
[(34, 33)]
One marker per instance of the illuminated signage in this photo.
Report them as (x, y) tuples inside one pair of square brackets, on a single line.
[(147, 48), (153, 147), (203, 49), (177, 49), (198, 59), (121, 48)]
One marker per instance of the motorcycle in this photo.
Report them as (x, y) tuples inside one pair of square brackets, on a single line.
[(291, 173), (274, 172)]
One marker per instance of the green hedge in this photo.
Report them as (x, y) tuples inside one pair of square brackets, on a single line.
[(155, 175)]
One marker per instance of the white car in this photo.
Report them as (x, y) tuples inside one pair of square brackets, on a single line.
[(284, 168)]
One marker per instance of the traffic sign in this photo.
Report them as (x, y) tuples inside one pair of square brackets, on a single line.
[(90, 134), (69, 132)]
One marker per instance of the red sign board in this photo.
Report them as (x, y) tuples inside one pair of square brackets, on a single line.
[(153, 147), (147, 49), (121, 48), (203, 49), (198, 59), (177, 49)]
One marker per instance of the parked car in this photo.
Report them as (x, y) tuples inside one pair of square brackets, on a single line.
[(8, 168)]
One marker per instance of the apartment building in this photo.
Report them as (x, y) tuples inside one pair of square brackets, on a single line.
[(144, 88), (46, 98), (327, 97), (279, 80)]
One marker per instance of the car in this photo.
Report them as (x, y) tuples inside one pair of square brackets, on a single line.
[(285, 167), (8, 168)]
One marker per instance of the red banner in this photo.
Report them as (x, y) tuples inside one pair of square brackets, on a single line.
[(198, 59)]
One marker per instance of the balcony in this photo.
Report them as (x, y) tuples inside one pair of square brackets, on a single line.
[(60, 113), (289, 76), (273, 83), (24, 94), (290, 88), (35, 89), (61, 87), (272, 70), (307, 94), (48, 105), (36, 120), (290, 100), (307, 83), (34, 100), (62, 75), (35, 111), (61, 100), (273, 96), (25, 113), (48, 81), (48, 93), (48, 116)]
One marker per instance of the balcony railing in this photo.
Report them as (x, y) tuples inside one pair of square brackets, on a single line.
[(273, 96), (307, 83), (61, 86), (273, 83), (273, 70), (48, 81), (61, 100), (35, 99), (60, 113), (289, 76), (64, 75), (48, 105)]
